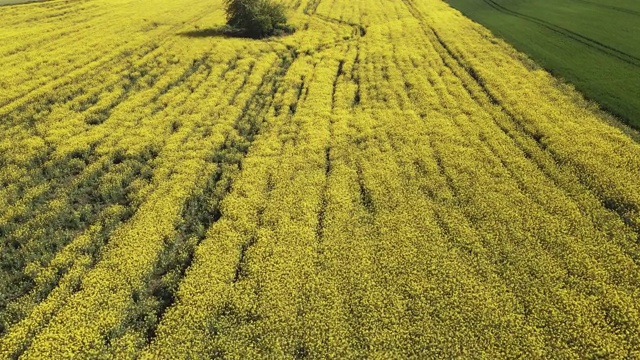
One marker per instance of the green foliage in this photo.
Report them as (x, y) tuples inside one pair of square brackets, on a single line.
[(257, 18)]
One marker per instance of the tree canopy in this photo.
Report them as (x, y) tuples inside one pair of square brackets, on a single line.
[(257, 18)]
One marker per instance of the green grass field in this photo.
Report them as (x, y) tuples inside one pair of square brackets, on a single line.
[(591, 43), (16, 2)]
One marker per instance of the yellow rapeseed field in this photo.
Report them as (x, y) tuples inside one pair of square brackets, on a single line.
[(391, 181)]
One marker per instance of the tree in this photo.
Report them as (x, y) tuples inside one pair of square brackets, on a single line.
[(257, 18)]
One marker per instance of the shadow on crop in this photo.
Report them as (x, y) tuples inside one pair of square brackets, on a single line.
[(221, 31)]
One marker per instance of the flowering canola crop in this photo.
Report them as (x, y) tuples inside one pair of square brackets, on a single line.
[(391, 181)]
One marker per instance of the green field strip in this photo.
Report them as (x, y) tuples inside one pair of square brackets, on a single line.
[(601, 61)]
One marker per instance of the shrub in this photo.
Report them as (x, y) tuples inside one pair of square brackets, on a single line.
[(257, 18)]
